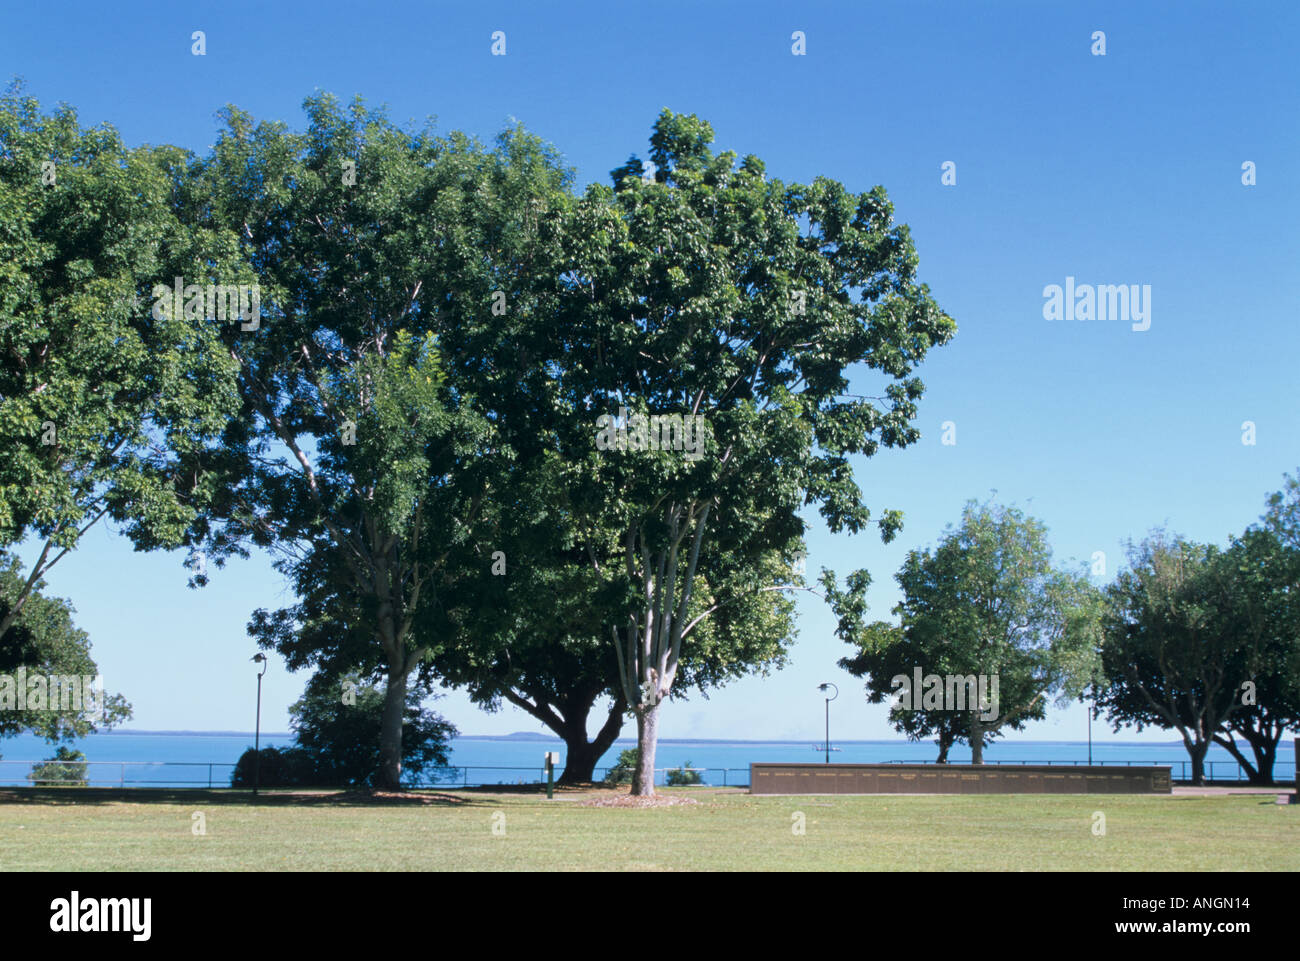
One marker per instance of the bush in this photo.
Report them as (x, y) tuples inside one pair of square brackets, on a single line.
[(288, 767), (621, 773), (66, 769), (683, 776)]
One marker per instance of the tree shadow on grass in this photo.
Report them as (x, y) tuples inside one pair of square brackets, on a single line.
[(278, 797)]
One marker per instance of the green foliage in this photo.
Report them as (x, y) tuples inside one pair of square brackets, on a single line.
[(1170, 646), (66, 769), (100, 401), (986, 601), (623, 770), (276, 767), (45, 640), (1204, 640), (715, 291), (340, 740), (336, 727), (684, 775), (367, 449), (386, 427)]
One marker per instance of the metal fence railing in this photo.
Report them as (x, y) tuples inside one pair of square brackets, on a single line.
[(1283, 771), (205, 774)]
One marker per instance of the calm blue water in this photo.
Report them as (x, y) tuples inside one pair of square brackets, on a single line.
[(187, 759)]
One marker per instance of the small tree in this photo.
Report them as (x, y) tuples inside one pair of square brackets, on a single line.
[(683, 776), (985, 604), (43, 639), (66, 769), (623, 771)]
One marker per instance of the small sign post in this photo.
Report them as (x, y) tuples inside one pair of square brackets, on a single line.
[(551, 758)]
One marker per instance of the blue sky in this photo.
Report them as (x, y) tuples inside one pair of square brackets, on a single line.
[(1116, 169)]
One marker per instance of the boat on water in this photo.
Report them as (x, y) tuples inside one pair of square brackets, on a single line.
[(822, 748)]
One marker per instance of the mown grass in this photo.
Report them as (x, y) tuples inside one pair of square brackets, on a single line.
[(69, 829)]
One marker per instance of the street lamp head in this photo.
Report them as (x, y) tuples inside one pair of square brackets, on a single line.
[(828, 684), (259, 656)]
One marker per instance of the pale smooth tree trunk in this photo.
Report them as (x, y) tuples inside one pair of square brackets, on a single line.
[(390, 735), (650, 648), (647, 740)]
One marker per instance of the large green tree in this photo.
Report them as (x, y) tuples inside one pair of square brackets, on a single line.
[(1261, 570), (100, 400), (739, 303), (400, 302), (987, 601), (1172, 649)]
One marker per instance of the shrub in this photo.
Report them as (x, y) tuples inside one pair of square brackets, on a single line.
[(621, 773), (684, 775), (66, 769), (287, 767)]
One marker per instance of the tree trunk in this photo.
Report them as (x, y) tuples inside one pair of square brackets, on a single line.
[(1259, 773), (647, 739), (582, 755), (1197, 750), (390, 734), (1263, 744), (1265, 755), (945, 742), (976, 739)]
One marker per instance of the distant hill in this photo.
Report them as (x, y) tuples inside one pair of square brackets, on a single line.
[(199, 733)]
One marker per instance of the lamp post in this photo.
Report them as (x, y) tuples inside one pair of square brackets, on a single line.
[(257, 727), (822, 687)]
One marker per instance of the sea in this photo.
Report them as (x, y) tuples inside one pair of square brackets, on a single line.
[(207, 759)]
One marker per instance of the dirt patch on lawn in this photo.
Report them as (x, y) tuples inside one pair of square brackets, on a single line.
[(397, 797), (632, 801)]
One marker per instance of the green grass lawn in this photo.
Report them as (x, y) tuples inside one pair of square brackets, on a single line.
[(72, 829)]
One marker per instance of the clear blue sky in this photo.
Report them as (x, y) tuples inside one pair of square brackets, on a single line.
[(1115, 169)]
